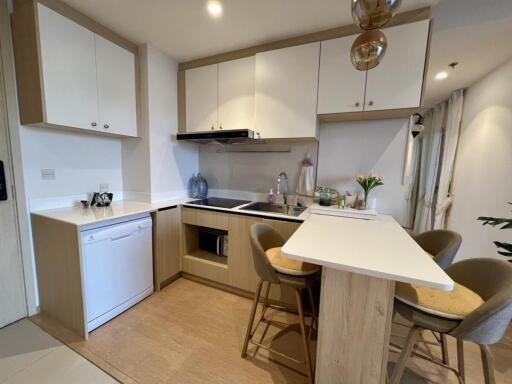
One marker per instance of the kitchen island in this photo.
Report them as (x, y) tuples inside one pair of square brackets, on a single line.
[(361, 261)]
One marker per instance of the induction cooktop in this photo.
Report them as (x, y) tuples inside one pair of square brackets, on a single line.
[(219, 202)]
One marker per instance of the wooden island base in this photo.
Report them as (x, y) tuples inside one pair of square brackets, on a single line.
[(355, 323)]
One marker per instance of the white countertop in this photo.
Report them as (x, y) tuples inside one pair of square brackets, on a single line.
[(379, 248), (119, 209)]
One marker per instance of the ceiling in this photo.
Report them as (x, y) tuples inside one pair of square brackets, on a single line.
[(472, 32)]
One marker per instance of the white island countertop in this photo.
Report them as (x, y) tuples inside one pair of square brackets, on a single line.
[(378, 248)]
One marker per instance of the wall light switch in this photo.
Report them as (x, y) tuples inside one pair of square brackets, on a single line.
[(48, 174)]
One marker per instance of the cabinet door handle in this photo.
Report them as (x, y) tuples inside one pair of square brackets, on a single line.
[(106, 126), (213, 128), (357, 104), (220, 126), (370, 103), (93, 124)]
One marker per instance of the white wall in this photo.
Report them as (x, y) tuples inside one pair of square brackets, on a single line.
[(156, 167), (81, 163), (483, 168), (352, 148), (171, 164)]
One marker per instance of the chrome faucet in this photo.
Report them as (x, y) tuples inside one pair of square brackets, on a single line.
[(283, 190)]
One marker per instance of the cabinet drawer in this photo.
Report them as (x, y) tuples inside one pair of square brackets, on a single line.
[(204, 268), (205, 218)]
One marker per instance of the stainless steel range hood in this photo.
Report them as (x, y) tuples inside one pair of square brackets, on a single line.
[(220, 136)]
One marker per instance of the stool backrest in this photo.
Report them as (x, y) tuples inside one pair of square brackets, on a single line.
[(492, 280), (264, 237), (441, 244)]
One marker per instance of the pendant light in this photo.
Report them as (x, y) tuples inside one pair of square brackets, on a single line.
[(373, 14), (369, 48)]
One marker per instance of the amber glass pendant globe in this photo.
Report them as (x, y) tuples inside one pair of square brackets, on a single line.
[(368, 50), (373, 14)]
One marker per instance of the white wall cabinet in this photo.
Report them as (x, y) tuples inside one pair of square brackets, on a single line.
[(236, 94), (69, 71), (341, 86), (69, 76), (397, 82), (286, 92), (116, 88), (220, 96), (201, 98)]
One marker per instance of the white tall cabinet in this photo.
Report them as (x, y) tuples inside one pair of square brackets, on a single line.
[(286, 92), (220, 96), (69, 76)]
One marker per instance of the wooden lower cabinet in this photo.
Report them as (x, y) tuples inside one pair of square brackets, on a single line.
[(237, 270), (241, 271), (167, 251), (242, 274)]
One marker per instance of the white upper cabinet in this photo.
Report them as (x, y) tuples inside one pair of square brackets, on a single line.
[(286, 92), (70, 77), (236, 94), (397, 81), (116, 96), (341, 87), (201, 98), (69, 71)]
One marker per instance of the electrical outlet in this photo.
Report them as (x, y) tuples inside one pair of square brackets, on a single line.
[(103, 187), (48, 174)]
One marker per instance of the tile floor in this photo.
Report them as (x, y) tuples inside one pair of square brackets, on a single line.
[(29, 355)]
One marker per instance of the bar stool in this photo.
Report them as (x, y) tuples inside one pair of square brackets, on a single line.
[(443, 246), (478, 310), (273, 268)]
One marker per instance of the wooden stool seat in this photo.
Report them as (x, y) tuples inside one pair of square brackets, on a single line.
[(288, 266)]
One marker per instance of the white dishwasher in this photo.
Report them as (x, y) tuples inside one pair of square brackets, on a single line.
[(118, 268)]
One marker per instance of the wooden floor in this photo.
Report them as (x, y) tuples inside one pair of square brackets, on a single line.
[(190, 333)]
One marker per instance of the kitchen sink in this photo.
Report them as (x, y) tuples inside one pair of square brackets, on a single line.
[(291, 210)]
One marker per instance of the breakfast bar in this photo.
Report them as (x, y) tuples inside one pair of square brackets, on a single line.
[(361, 261)]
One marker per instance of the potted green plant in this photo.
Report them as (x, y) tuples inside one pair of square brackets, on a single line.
[(504, 249), (368, 183)]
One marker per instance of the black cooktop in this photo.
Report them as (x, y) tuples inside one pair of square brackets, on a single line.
[(219, 202)]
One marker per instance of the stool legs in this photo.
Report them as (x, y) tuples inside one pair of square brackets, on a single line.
[(248, 334), (309, 365), (487, 364), (444, 349), (460, 360), (412, 337)]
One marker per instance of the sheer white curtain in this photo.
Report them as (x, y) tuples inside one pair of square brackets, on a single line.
[(451, 140), (431, 151), (412, 172)]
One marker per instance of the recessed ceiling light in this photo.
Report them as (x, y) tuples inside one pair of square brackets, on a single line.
[(441, 75), (214, 8)]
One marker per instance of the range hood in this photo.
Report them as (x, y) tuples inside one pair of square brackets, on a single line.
[(221, 136)]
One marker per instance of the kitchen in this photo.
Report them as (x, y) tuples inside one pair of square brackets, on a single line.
[(285, 125)]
